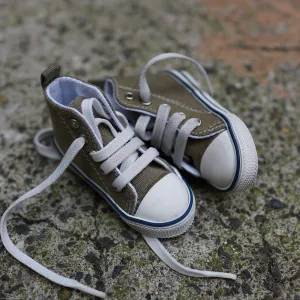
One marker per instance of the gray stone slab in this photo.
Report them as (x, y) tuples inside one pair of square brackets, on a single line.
[(71, 230)]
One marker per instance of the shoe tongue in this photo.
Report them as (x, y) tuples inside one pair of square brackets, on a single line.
[(76, 103), (105, 131)]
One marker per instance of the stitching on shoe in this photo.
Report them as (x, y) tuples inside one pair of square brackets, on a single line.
[(166, 99), (127, 207), (210, 128)]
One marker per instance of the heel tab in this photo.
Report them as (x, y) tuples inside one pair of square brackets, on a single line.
[(50, 74)]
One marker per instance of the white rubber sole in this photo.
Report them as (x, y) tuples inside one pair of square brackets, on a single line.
[(247, 161), (169, 231), (248, 155), (153, 230), (247, 151)]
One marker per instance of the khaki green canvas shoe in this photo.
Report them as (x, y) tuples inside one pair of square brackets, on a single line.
[(176, 116), (98, 144)]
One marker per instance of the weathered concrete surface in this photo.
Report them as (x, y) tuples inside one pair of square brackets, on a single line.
[(70, 230)]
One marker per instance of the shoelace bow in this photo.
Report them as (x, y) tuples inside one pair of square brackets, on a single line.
[(166, 134)]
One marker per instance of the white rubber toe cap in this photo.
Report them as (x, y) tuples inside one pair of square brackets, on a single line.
[(218, 164), (167, 200)]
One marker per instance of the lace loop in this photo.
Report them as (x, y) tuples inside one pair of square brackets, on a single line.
[(170, 132), (160, 124), (113, 158), (182, 138), (135, 168), (118, 157), (48, 150), (165, 132), (144, 86), (122, 138), (87, 110), (141, 127)]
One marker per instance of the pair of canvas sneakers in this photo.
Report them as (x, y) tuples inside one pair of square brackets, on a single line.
[(103, 136)]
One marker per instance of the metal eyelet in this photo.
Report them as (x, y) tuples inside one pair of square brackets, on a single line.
[(74, 124), (144, 103), (115, 189), (85, 139), (198, 122), (129, 96)]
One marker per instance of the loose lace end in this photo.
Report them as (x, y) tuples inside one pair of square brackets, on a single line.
[(49, 151), (170, 261), (86, 289)]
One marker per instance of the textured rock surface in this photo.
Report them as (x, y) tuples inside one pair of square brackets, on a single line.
[(72, 231)]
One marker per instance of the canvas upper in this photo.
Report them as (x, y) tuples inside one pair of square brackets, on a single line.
[(99, 145), (64, 96), (166, 90), (219, 148)]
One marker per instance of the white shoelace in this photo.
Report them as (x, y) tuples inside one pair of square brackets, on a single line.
[(123, 150), (131, 165), (166, 134), (166, 131)]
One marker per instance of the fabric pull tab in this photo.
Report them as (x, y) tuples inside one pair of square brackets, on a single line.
[(50, 74)]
